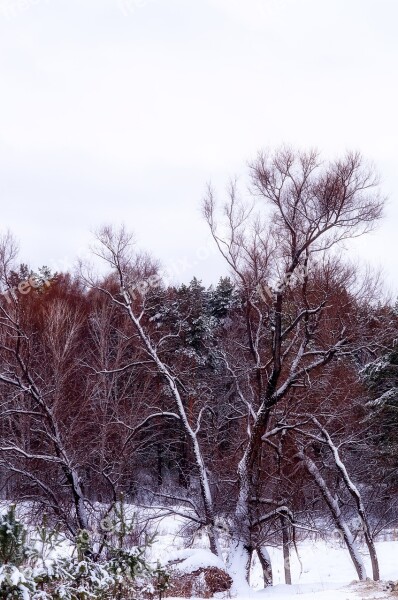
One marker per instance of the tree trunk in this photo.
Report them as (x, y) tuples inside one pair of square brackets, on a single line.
[(286, 549), (80, 507), (159, 464), (352, 488), (266, 566), (190, 433), (241, 552), (239, 561), (373, 559), (337, 516)]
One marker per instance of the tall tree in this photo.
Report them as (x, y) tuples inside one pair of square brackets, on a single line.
[(309, 207)]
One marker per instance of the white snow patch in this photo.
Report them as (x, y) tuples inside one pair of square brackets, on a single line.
[(194, 559)]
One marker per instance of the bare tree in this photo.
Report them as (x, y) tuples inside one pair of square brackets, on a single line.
[(37, 373), (309, 207), (133, 273)]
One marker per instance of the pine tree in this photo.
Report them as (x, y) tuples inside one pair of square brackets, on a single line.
[(13, 548), (381, 378), (222, 298), (15, 584)]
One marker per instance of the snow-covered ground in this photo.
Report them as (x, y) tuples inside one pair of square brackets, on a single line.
[(323, 570), (327, 573)]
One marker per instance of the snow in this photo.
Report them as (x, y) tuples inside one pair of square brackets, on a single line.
[(326, 571), (193, 559), (323, 570), (327, 564), (388, 396)]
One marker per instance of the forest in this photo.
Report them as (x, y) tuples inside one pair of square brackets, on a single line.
[(260, 410)]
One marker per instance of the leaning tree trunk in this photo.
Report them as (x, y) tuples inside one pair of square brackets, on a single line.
[(79, 499), (336, 514), (265, 562), (353, 490), (190, 432)]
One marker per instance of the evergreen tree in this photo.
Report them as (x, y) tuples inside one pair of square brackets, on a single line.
[(12, 539), (223, 298), (381, 377)]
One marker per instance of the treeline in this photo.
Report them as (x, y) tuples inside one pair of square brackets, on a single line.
[(259, 408)]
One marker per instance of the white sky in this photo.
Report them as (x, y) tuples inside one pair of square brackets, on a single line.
[(121, 110)]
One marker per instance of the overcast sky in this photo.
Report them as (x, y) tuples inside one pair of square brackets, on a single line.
[(121, 110)]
